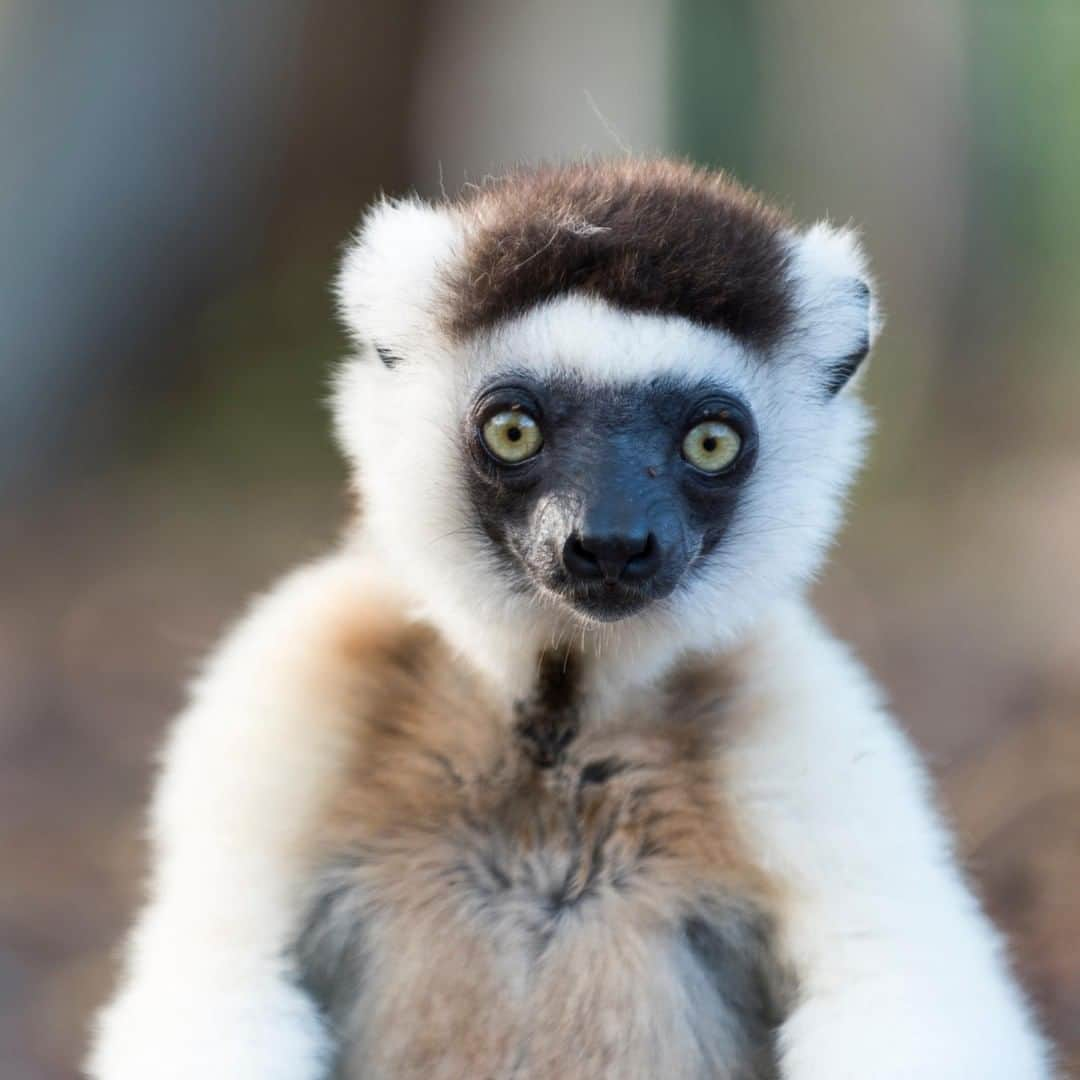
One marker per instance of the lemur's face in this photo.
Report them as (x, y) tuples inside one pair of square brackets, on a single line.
[(601, 493), (605, 495), (600, 455)]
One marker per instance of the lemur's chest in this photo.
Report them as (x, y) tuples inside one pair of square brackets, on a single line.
[(504, 901)]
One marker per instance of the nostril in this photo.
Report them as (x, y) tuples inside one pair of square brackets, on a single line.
[(646, 550), (644, 562), (579, 560), (581, 551)]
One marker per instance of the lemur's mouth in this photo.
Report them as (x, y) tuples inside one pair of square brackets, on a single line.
[(609, 601)]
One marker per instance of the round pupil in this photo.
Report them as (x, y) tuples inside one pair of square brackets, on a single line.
[(512, 435), (712, 445)]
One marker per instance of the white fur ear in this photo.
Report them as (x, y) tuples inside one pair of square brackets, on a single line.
[(837, 315), (388, 289)]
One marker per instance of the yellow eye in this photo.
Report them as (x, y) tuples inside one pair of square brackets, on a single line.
[(512, 435), (711, 446)]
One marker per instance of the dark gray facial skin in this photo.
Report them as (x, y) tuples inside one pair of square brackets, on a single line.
[(609, 516)]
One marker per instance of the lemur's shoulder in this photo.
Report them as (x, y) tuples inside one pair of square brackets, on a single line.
[(287, 682), (336, 613)]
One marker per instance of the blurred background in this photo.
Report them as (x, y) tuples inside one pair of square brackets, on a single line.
[(176, 181)]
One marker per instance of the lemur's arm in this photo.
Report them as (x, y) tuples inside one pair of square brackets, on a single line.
[(899, 974), (208, 990)]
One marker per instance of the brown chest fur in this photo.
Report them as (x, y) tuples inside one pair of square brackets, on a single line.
[(488, 912)]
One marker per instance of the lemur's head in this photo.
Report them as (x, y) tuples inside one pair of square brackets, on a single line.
[(607, 393)]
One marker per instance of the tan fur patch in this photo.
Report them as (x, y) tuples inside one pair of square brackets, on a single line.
[(484, 916)]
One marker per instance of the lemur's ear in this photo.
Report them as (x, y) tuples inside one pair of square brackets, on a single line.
[(837, 316), (391, 277)]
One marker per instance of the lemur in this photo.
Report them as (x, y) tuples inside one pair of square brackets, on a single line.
[(549, 771)]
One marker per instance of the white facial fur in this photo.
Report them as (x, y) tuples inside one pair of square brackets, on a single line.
[(402, 431)]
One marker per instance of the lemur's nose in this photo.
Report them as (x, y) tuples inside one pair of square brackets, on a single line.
[(628, 557)]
